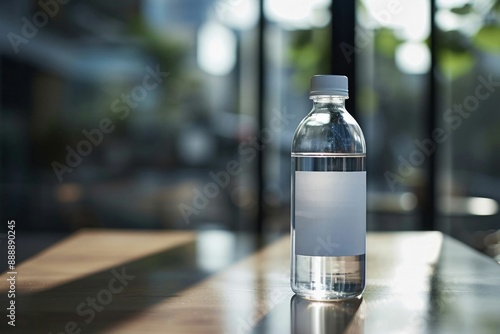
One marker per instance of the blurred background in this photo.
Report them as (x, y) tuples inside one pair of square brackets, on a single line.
[(179, 114)]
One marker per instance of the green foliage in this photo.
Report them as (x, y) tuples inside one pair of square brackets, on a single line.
[(454, 64), (368, 100), (464, 10), (487, 39), (386, 42), (309, 54), (170, 52)]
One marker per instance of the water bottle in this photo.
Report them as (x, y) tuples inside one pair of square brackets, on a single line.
[(328, 204)]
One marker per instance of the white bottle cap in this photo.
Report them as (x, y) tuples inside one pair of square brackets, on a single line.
[(329, 85)]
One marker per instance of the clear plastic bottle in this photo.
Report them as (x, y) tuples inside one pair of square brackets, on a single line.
[(328, 216)]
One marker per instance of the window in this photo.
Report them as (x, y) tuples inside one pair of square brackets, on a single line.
[(179, 114)]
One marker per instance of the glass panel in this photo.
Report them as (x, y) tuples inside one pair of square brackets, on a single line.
[(393, 61), (469, 67), (297, 40), (129, 114)]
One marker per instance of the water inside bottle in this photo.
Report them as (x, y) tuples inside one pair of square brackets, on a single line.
[(326, 277)]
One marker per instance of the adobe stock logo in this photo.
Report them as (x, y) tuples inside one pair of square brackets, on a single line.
[(326, 244), (453, 119), (121, 108), (29, 30), (248, 150), (95, 304), (226, 6), (362, 37)]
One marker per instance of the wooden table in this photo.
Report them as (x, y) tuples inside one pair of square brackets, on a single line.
[(110, 281)]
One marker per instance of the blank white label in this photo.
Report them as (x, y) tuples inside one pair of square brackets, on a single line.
[(330, 213)]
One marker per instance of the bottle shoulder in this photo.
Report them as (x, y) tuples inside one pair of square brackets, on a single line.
[(329, 131)]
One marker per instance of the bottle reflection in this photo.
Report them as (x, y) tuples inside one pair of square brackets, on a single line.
[(314, 317)]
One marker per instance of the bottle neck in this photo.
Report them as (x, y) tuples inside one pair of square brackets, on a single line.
[(321, 101)]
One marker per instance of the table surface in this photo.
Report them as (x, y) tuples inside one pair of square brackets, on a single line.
[(113, 281)]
